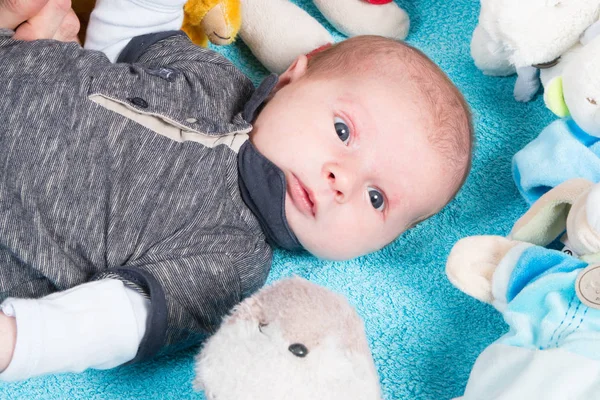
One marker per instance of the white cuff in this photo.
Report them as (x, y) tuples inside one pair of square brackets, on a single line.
[(96, 325)]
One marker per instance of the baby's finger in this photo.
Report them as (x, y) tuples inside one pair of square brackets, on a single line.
[(15, 12), (46, 23), (68, 30)]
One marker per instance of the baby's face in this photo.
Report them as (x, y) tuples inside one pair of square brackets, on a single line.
[(359, 167)]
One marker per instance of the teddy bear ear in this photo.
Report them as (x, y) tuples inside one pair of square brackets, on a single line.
[(546, 220), (555, 99)]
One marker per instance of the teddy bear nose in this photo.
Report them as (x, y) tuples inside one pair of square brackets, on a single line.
[(298, 349)]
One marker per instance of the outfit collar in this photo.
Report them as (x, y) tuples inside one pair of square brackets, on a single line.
[(262, 184)]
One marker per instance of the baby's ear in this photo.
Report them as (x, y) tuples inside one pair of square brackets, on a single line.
[(294, 72), (473, 261), (546, 220)]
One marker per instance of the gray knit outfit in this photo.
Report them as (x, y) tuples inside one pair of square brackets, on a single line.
[(140, 171)]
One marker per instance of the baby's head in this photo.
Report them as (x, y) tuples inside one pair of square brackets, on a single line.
[(372, 138)]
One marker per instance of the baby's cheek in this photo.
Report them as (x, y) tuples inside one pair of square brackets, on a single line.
[(350, 236)]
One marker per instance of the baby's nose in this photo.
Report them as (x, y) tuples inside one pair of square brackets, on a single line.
[(334, 186), (340, 183)]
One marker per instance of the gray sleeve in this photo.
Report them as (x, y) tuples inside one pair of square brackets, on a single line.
[(188, 298), (173, 48), (140, 45)]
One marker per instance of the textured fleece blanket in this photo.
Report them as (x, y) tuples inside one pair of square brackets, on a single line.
[(425, 335)]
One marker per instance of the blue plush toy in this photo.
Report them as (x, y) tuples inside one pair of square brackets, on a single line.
[(549, 299), (567, 148), (561, 152)]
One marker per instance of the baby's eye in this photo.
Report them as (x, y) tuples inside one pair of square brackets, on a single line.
[(342, 130), (376, 199)]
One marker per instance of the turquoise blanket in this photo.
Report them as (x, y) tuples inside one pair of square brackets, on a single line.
[(424, 334)]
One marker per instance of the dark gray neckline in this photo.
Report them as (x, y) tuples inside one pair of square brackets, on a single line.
[(262, 184)]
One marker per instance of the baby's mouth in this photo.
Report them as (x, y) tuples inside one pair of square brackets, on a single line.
[(301, 196)]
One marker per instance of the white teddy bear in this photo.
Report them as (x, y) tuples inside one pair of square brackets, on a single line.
[(293, 340)]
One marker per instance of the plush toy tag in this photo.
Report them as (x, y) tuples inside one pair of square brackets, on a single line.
[(587, 286), (555, 99)]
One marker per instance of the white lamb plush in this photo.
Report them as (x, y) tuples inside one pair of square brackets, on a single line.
[(293, 340), (523, 36), (572, 87)]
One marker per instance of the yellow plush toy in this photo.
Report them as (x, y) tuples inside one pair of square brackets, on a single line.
[(216, 20)]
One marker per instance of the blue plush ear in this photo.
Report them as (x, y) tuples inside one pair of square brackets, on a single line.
[(546, 220), (554, 97)]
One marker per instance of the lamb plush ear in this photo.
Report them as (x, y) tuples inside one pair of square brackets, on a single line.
[(547, 218), (555, 99)]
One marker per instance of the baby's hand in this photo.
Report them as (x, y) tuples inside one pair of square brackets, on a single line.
[(8, 338), (39, 19)]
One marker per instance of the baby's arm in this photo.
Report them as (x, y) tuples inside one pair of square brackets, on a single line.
[(8, 337), (114, 23), (95, 325)]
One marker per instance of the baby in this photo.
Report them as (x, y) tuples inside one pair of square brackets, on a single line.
[(138, 204)]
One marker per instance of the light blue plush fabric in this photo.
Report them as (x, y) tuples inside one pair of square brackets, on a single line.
[(542, 307), (425, 335), (562, 151)]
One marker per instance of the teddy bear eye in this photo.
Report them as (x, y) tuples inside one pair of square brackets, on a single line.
[(591, 100), (298, 349)]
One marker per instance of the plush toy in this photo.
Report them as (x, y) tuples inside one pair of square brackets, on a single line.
[(293, 340), (522, 37), (572, 87), (277, 31), (570, 147), (550, 299), (216, 20)]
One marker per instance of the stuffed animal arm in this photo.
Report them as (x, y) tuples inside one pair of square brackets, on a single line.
[(267, 29), (293, 340), (278, 31)]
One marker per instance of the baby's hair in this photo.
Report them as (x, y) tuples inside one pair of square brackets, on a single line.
[(452, 130)]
